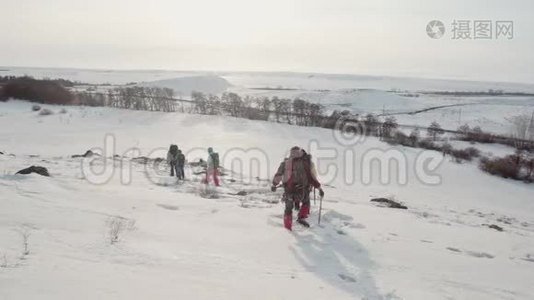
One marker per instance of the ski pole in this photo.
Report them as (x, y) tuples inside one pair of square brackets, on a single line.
[(320, 209), (314, 202)]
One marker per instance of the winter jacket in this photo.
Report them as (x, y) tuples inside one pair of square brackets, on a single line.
[(210, 162), (180, 159), (172, 158)]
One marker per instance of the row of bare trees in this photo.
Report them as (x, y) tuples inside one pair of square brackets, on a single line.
[(297, 111), (136, 97), (521, 139), (231, 104), (291, 111)]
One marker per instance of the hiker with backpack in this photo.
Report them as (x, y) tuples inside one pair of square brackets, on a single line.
[(172, 159), (180, 162), (296, 175), (212, 169)]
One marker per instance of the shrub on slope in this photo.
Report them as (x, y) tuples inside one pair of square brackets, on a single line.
[(41, 91)]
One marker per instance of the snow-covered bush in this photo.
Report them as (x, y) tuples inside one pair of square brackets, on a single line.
[(465, 154), (37, 90), (506, 167), (429, 145), (116, 227), (25, 234)]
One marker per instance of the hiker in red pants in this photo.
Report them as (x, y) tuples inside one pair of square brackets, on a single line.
[(212, 169), (296, 175)]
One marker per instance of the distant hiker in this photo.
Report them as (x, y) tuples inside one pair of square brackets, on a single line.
[(180, 162), (212, 169), (295, 173), (172, 159)]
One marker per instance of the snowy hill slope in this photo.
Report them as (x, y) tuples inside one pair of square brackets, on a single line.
[(180, 242), (184, 86)]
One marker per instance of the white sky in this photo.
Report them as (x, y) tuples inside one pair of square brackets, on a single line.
[(336, 36)]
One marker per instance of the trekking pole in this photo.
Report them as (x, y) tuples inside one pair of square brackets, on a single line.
[(314, 203), (320, 209)]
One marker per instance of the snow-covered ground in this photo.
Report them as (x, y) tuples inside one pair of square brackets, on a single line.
[(179, 242)]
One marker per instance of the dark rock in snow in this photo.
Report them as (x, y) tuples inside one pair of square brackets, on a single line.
[(140, 159), (346, 277), (493, 226), (34, 169), (389, 203), (87, 153), (200, 163), (241, 193), (146, 160)]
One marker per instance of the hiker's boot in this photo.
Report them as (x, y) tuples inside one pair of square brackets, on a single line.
[(288, 219), (304, 211)]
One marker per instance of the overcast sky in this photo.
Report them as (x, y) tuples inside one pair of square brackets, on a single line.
[(378, 37)]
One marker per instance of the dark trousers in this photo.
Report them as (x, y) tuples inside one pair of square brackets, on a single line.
[(174, 168), (180, 171)]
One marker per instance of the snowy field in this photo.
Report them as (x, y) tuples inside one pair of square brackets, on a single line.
[(183, 241), (356, 93)]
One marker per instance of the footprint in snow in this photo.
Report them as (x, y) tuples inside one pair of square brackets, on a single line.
[(169, 207), (356, 226), (331, 215), (346, 278), (472, 253), (479, 254)]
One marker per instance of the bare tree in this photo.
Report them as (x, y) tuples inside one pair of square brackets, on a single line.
[(414, 136), (435, 130), (371, 124), (523, 126), (4, 261), (389, 125), (200, 102)]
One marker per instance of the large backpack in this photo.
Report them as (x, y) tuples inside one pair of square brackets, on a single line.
[(297, 177), (215, 159)]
